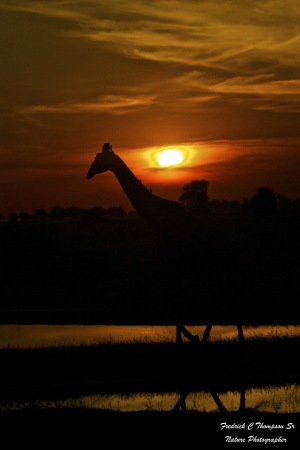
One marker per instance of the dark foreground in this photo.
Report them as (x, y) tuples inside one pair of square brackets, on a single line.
[(90, 429), (116, 272), (51, 374)]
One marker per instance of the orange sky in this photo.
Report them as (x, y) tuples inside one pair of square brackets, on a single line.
[(220, 79)]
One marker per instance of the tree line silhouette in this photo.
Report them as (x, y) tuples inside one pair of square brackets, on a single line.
[(194, 197)]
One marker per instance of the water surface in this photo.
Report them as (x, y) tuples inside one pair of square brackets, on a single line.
[(277, 399)]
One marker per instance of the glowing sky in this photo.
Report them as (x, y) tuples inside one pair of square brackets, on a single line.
[(217, 78)]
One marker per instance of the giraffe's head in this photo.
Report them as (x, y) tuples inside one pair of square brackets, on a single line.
[(106, 160)]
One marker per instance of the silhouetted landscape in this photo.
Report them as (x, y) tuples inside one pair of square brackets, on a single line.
[(245, 269), (74, 266)]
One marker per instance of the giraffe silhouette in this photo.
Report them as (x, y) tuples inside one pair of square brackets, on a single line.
[(168, 219)]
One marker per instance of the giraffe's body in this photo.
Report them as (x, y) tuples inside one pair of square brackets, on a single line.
[(168, 219)]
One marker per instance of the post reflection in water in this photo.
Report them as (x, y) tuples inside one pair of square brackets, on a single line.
[(70, 335)]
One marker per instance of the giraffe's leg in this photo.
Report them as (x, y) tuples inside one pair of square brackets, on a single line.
[(189, 335), (181, 402), (178, 334), (240, 333), (243, 400), (217, 400), (206, 332), (181, 330)]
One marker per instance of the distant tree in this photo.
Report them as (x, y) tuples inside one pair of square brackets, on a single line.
[(283, 202), (235, 203), (246, 202), (25, 216), (116, 212), (12, 217), (296, 203), (41, 214), (98, 211), (133, 215), (73, 212), (194, 196), (264, 202), (215, 205), (57, 213), (94, 215)]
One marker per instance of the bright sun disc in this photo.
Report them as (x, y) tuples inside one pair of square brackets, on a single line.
[(170, 157)]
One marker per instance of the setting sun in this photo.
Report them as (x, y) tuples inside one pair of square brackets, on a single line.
[(172, 157)]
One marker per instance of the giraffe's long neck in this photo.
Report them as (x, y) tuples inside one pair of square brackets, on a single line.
[(165, 216), (136, 192)]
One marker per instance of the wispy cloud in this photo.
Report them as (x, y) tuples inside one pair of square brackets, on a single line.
[(113, 104), (235, 43), (247, 49), (269, 95), (204, 33)]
